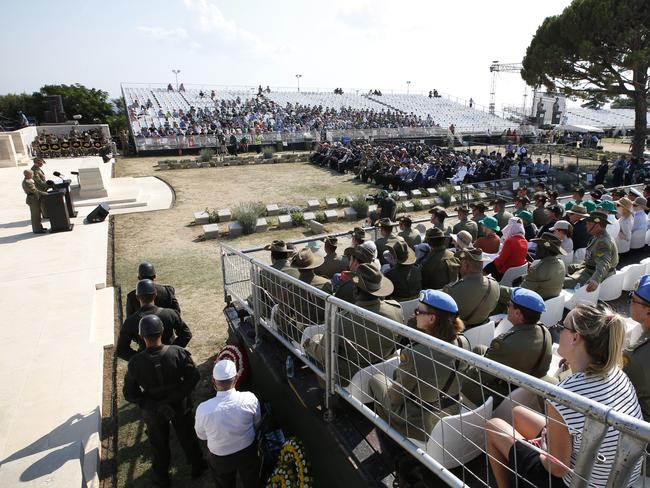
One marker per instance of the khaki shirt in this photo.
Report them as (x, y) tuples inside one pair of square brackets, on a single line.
[(407, 280), (308, 309), (468, 225), (636, 361), (439, 268), (412, 237), (546, 277), (39, 178), (601, 259), (476, 295), (32, 192), (333, 264)]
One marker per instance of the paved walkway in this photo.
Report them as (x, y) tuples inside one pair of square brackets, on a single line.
[(57, 318)]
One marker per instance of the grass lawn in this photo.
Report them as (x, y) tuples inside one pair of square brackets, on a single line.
[(169, 239)]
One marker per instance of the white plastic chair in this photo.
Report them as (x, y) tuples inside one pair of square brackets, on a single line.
[(622, 245), (309, 332), (554, 310), (457, 439), (579, 255), (633, 273), (567, 259), (611, 288), (638, 239), (481, 335), (646, 261), (633, 331), (359, 384), (408, 308), (503, 326), (580, 297), (519, 396), (512, 273)]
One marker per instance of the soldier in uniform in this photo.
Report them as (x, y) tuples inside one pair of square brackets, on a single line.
[(475, 293), (358, 236), (637, 356), (577, 194), (464, 223), (521, 204), (160, 380), (540, 216), (438, 216), (272, 290), (332, 263), (34, 196), (362, 342), (439, 267), (478, 214), (165, 294), (412, 237), (499, 207), (601, 258), (425, 386), (39, 176), (343, 285), (175, 331), (525, 347), (387, 237), (405, 275)]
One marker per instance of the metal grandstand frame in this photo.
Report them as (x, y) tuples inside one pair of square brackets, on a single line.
[(296, 313)]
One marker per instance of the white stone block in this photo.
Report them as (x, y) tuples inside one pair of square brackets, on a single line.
[(349, 199), (426, 203), (211, 231), (284, 221), (331, 202), (432, 191), (316, 227), (272, 209), (224, 215), (201, 218), (261, 225), (313, 204), (372, 208), (439, 201), (331, 215), (91, 184), (416, 193), (457, 188), (452, 200), (309, 215), (349, 213), (235, 229), (402, 195), (408, 206)]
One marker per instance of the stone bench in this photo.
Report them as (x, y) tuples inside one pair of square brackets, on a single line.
[(211, 231), (201, 218)]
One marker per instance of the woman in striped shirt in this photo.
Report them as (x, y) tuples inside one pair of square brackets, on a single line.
[(591, 342)]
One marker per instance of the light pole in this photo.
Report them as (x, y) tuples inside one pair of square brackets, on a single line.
[(176, 71), (408, 86), (298, 78)]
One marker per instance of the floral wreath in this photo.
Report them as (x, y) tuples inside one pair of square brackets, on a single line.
[(237, 355), (292, 470)]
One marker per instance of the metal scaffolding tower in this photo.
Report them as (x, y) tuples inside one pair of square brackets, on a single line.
[(495, 68)]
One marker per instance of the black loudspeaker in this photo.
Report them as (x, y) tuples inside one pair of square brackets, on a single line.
[(98, 215)]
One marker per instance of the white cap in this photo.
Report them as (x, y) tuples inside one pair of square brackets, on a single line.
[(224, 370), (560, 224)]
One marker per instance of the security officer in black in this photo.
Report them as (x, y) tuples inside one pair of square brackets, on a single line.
[(165, 294), (160, 380), (175, 330)]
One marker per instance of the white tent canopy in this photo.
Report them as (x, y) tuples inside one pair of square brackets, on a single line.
[(579, 128)]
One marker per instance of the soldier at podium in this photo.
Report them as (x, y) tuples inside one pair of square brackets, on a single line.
[(33, 199)]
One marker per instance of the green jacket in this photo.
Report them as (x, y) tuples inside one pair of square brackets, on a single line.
[(601, 259), (33, 193), (546, 277), (636, 359), (382, 245), (468, 225), (407, 280), (39, 178), (477, 219), (476, 295), (412, 237), (525, 347), (333, 264), (439, 268)]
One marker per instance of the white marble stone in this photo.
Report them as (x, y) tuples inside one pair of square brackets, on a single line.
[(408, 206), (211, 231), (284, 221), (201, 218), (316, 227), (432, 191), (309, 215), (416, 193), (272, 209), (313, 204), (224, 215), (402, 195), (91, 184), (426, 203), (331, 215), (235, 229), (349, 213), (261, 225), (331, 202)]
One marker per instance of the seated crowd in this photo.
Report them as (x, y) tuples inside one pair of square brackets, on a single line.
[(454, 274)]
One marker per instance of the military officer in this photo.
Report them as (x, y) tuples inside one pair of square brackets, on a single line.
[(637, 356), (39, 176), (165, 294), (405, 275), (540, 216), (34, 200), (412, 237), (464, 223), (438, 216), (478, 214), (499, 207), (475, 293), (342, 284), (358, 236), (601, 258), (332, 263), (362, 342), (160, 380), (273, 291), (527, 334), (175, 331), (387, 237), (440, 266), (426, 381)]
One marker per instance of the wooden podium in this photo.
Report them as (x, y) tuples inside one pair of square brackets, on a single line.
[(57, 211)]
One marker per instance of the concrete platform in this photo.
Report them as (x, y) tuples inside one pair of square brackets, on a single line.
[(61, 317)]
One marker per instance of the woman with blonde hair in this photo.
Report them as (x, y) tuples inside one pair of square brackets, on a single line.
[(591, 342)]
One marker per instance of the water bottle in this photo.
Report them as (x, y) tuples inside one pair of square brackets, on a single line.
[(577, 287), (289, 366)]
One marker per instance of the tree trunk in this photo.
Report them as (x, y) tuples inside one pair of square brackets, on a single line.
[(640, 112)]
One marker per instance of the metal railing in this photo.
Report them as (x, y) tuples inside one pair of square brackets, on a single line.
[(393, 374)]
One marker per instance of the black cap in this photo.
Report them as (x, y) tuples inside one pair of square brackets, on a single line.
[(144, 288), (150, 325), (146, 271)]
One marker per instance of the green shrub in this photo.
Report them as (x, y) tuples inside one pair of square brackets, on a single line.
[(267, 153), (206, 155), (360, 205), (417, 205), (341, 201), (445, 195), (297, 218), (213, 216), (247, 215), (320, 217)]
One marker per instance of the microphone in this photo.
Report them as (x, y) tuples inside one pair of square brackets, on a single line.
[(58, 175), (76, 173)]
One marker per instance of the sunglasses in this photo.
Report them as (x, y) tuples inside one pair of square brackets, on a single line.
[(560, 326), (631, 299)]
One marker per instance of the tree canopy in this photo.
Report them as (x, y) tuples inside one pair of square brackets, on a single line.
[(596, 50)]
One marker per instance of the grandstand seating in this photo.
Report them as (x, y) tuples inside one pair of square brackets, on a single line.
[(621, 118)]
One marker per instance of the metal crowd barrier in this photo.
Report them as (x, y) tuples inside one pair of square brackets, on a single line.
[(356, 352)]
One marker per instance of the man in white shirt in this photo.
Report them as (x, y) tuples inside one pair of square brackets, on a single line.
[(228, 423), (640, 218)]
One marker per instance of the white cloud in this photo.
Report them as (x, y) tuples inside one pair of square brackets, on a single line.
[(162, 33)]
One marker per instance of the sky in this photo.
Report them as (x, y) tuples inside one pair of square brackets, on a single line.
[(353, 44)]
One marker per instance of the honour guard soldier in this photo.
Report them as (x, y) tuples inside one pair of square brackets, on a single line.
[(165, 294)]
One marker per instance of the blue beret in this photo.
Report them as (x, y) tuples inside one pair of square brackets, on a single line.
[(643, 291), (438, 299), (528, 299)]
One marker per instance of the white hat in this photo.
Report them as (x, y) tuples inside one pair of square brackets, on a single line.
[(560, 224), (224, 370)]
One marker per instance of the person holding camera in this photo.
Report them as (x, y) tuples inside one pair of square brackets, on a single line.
[(160, 380)]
